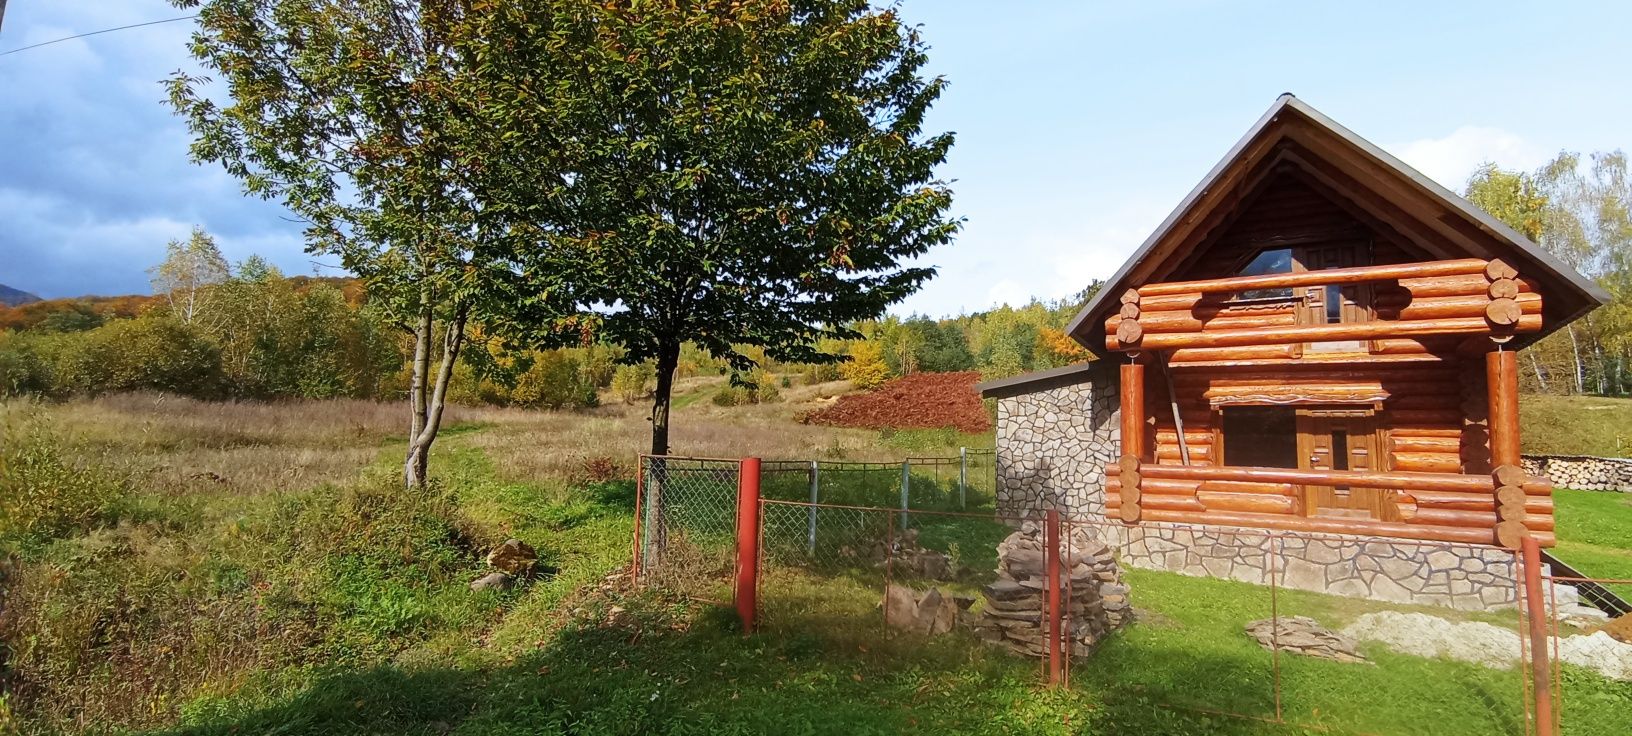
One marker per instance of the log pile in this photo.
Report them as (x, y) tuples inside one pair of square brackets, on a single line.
[(1094, 598)]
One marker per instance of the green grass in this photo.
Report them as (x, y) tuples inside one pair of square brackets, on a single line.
[(1595, 534), (1576, 425), (342, 607)]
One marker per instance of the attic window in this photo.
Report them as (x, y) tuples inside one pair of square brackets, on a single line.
[(1277, 260)]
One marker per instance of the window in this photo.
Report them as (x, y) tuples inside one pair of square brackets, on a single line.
[(1261, 436), (1278, 260)]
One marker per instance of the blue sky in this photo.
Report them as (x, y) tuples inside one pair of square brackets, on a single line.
[(1079, 125)]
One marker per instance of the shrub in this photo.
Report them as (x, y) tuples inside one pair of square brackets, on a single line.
[(866, 367), (148, 353), (554, 382), (629, 382), (757, 389), (44, 494)]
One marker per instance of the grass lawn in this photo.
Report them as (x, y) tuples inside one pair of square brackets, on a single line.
[(1576, 425), (1595, 534), (256, 569)]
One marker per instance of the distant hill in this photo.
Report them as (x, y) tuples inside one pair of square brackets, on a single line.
[(15, 297)]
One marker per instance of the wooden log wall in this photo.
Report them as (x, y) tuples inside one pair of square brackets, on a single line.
[(1424, 425), (1412, 302)]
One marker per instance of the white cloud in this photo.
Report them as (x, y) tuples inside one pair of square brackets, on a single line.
[(1450, 159)]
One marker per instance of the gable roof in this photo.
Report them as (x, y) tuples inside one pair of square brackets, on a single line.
[(1400, 198)]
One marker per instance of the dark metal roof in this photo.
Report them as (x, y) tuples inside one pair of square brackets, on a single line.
[(1589, 293), (1035, 381)]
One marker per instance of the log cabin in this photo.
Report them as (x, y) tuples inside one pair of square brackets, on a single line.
[(1319, 342)]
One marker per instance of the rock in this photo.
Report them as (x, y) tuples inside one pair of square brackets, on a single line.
[(936, 613), (618, 617), (493, 581), (900, 607), (514, 557), (1303, 635)]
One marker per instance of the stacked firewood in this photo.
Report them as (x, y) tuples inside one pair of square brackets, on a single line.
[(1094, 599)]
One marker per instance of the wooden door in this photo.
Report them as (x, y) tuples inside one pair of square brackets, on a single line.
[(1343, 439), (1324, 305)]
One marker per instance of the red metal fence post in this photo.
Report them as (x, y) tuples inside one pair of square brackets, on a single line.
[(1051, 568), (747, 593), (1536, 610)]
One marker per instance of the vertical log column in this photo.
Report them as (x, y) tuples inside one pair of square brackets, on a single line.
[(1502, 382), (1133, 439)]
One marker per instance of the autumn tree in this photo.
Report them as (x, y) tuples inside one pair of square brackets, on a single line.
[(192, 268), (365, 119), (1580, 210), (752, 174)]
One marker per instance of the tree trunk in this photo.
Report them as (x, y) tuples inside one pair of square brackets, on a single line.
[(668, 358), (1575, 355), (1536, 366), (428, 400)]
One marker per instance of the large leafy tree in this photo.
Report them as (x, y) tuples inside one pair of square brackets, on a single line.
[(757, 173), (363, 117)]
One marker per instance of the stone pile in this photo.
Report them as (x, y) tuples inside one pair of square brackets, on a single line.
[(1583, 472), (1014, 614), (1304, 635), (908, 558)]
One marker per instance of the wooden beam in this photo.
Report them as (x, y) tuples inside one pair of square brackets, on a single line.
[(1332, 276), (1354, 478), (1502, 380), (1320, 333)]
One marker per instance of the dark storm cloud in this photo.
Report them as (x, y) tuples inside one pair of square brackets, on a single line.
[(94, 172)]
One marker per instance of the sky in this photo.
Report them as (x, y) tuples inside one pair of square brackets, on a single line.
[(1079, 125)]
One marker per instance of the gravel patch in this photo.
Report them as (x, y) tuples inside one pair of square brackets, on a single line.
[(1423, 635)]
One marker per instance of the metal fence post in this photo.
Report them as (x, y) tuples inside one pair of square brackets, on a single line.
[(906, 485), (1536, 610), (963, 477), (747, 590), (1051, 568), (815, 498), (640, 542)]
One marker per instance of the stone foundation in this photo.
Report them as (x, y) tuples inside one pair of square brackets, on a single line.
[(1463, 577), (1582, 472)]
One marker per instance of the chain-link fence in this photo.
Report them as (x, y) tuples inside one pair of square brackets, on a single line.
[(964, 482), (685, 532), (1404, 636), (1585, 661)]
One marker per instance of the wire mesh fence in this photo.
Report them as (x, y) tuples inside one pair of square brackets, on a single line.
[(966, 481), (686, 524), (1178, 618), (1586, 655)]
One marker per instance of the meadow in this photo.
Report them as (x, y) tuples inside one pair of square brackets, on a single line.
[(229, 568)]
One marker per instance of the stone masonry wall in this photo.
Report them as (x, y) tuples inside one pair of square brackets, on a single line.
[(1052, 446), (1464, 577), (1582, 472)]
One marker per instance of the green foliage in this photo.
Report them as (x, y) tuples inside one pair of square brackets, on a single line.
[(630, 381), (555, 381), (43, 492), (751, 176), (757, 388), (154, 353), (1581, 212)]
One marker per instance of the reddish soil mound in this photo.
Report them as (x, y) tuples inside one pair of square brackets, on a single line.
[(918, 401)]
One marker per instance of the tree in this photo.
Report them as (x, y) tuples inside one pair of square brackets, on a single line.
[(1583, 215), (866, 367), (188, 275), (367, 120), (752, 174)]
